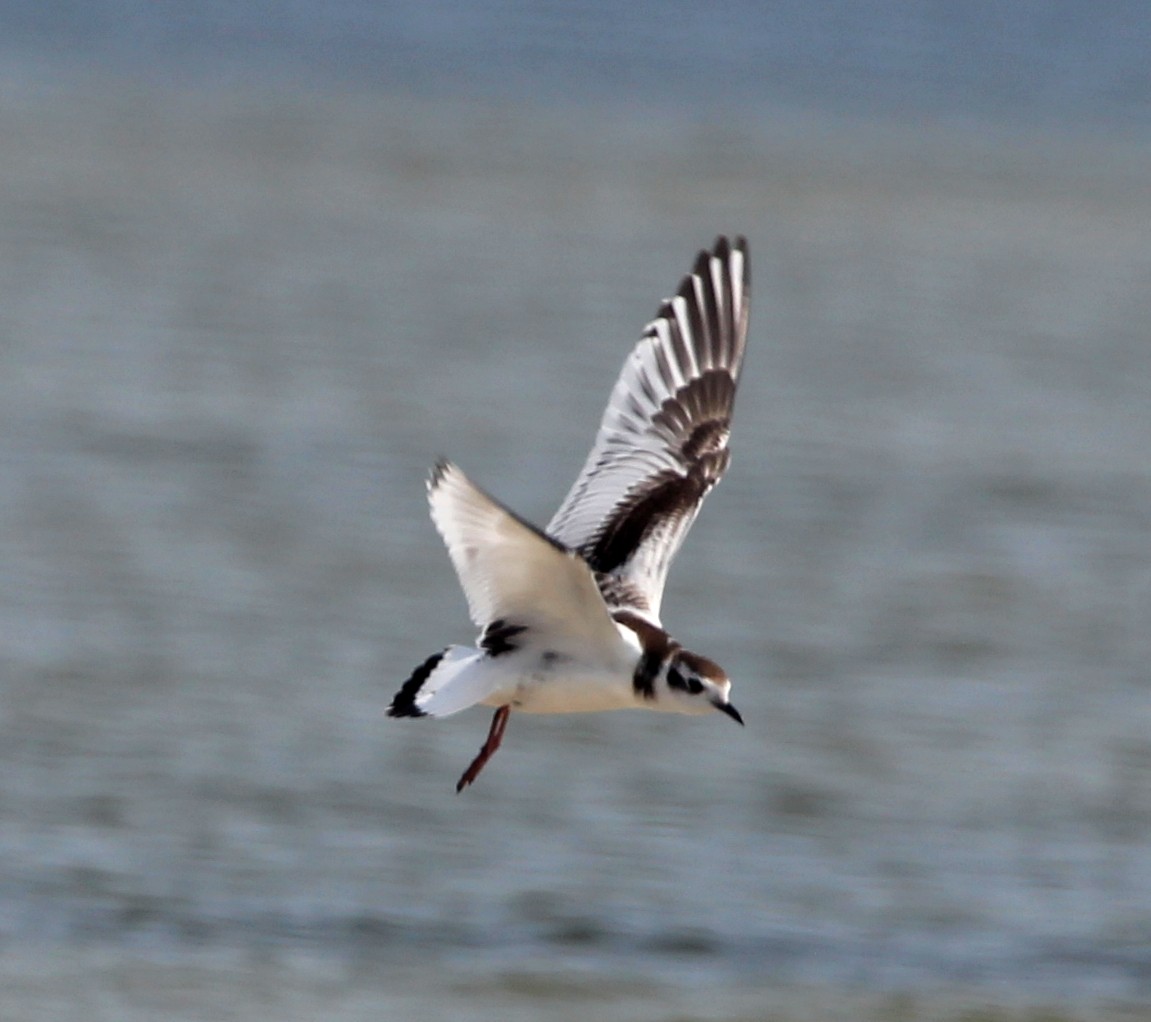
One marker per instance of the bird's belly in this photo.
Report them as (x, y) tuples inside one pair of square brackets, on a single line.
[(567, 691)]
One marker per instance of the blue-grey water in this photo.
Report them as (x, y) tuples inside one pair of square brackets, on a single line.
[(1080, 63), (237, 324)]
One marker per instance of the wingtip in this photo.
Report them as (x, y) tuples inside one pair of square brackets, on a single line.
[(725, 247), (442, 468)]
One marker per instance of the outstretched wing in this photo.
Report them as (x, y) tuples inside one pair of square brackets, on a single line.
[(516, 579), (662, 443)]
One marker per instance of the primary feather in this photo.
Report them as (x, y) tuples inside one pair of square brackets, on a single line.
[(662, 442)]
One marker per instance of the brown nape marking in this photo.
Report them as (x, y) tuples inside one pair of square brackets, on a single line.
[(647, 670), (657, 646), (702, 666)]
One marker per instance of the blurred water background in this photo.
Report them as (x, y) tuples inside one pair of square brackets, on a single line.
[(261, 264)]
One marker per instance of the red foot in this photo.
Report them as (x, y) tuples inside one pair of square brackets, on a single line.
[(495, 736)]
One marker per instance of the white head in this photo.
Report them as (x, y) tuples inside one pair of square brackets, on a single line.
[(690, 683)]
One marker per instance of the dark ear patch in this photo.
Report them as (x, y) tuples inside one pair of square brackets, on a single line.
[(685, 683)]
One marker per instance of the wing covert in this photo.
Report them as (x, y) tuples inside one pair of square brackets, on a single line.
[(516, 578), (662, 442)]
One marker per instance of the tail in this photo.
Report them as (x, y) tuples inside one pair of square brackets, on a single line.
[(445, 683)]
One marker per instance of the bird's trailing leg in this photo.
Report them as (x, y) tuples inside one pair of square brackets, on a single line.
[(495, 736)]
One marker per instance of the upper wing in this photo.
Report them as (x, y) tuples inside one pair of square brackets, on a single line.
[(662, 443), (514, 577)]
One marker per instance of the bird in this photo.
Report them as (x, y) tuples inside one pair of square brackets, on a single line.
[(569, 615)]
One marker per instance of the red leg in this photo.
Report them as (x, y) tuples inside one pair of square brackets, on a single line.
[(495, 736)]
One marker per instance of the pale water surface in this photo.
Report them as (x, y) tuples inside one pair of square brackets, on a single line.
[(238, 327)]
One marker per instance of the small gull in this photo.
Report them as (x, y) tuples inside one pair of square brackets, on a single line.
[(569, 615)]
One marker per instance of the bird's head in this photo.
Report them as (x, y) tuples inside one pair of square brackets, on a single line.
[(694, 684)]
